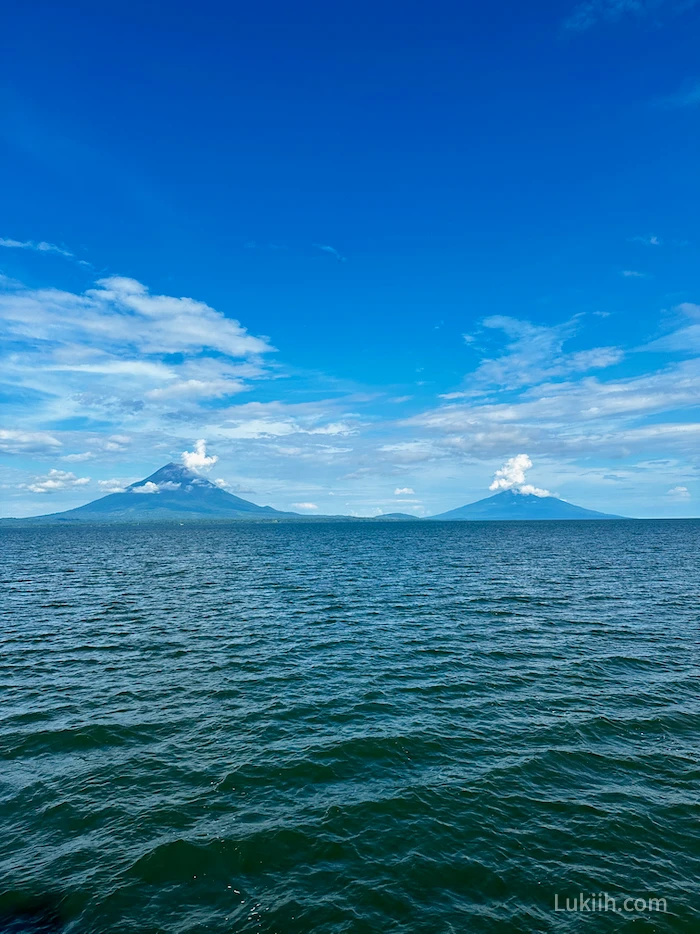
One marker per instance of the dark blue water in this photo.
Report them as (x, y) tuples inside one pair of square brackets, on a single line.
[(349, 727)]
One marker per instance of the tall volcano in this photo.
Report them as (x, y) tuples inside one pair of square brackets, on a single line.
[(173, 492)]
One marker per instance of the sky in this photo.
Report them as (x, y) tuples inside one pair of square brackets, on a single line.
[(352, 262)]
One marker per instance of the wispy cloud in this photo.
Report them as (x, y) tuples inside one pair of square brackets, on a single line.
[(79, 458), (262, 420), (17, 441), (404, 491), (332, 250), (197, 389), (649, 240), (237, 488), (407, 452), (574, 418), (632, 274), (591, 12), (39, 246), (687, 97), (679, 492), (534, 353), (310, 507), (685, 338)]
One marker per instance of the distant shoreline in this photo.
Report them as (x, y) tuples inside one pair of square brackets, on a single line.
[(41, 521)]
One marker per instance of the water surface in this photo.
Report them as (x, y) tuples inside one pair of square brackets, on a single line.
[(349, 728)]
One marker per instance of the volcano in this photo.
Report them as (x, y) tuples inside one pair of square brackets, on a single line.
[(173, 492), (511, 504)]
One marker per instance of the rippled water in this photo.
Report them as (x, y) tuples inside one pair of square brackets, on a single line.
[(349, 728)]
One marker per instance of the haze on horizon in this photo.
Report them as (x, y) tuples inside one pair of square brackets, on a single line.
[(371, 274)]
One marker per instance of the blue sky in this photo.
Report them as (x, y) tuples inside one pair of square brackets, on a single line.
[(367, 263)]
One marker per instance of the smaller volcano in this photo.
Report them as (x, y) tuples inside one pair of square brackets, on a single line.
[(512, 504)]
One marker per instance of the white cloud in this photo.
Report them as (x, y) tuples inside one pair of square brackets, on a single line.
[(308, 506), (632, 274), (112, 486), (679, 492), (172, 324), (13, 441), (121, 315), (149, 487), (198, 459), (40, 247), (198, 389), (404, 491), (512, 473), (333, 428), (119, 354), (56, 481), (598, 358), (512, 476), (527, 489), (117, 442), (78, 458)]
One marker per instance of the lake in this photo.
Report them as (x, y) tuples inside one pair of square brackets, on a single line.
[(350, 727)]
